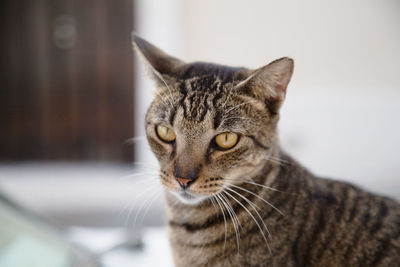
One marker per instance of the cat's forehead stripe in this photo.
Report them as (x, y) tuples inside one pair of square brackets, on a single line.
[(207, 90), (197, 97), (207, 95)]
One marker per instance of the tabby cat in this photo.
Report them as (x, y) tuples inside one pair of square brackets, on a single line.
[(234, 198)]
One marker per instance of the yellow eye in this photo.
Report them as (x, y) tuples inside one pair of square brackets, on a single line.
[(226, 141), (165, 134)]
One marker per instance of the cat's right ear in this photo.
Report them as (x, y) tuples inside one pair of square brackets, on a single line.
[(159, 63)]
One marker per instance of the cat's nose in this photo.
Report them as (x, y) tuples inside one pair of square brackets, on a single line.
[(185, 176), (183, 182)]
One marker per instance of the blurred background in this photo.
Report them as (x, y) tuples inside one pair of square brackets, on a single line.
[(73, 97)]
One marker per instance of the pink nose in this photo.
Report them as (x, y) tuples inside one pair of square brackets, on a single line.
[(183, 182)]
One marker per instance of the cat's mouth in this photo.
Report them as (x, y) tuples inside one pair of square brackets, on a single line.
[(188, 197)]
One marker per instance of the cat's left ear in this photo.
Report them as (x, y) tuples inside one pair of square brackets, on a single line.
[(270, 82), (156, 61)]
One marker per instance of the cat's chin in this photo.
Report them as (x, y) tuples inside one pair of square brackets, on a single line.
[(189, 198)]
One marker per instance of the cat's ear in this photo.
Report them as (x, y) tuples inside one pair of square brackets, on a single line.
[(155, 60), (270, 82)]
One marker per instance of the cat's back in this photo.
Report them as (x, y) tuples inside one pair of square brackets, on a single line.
[(343, 225)]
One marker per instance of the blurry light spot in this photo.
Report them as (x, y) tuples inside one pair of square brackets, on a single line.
[(64, 32)]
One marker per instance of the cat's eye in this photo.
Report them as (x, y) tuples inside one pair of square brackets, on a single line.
[(165, 134), (225, 141)]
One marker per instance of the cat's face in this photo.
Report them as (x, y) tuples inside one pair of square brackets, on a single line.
[(210, 125)]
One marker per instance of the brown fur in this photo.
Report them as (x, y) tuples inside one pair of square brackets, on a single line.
[(253, 205)]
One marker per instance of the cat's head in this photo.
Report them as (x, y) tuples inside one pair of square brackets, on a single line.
[(211, 125)]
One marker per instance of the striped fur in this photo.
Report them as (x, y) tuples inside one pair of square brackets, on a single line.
[(324, 223), (253, 205)]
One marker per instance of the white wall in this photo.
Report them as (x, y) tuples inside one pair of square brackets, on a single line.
[(336, 43)]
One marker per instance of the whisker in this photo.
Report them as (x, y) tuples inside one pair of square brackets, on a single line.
[(236, 218), (152, 182), (233, 212), (251, 215), (134, 139), (265, 201), (241, 104), (223, 215), (236, 117), (249, 180), (165, 83), (213, 203), (156, 196), (127, 205), (151, 175), (235, 227), (156, 73), (277, 160), (254, 207), (229, 94), (281, 160), (141, 207), (264, 186), (143, 181), (146, 164), (135, 200), (162, 98)]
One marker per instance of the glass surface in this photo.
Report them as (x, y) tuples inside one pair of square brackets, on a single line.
[(27, 242)]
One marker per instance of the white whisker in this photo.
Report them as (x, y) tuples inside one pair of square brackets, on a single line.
[(135, 139), (264, 186), (234, 117), (229, 94), (241, 104), (277, 160), (146, 164), (136, 199), (141, 207), (251, 215), (165, 83), (233, 212), (254, 207), (154, 197), (223, 214), (235, 226), (249, 180), (162, 98), (213, 203), (265, 201), (149, 174)]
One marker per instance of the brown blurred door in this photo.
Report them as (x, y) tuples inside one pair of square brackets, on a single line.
[(66, 87)]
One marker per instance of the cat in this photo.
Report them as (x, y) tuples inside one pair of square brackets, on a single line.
[(233, 196)]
